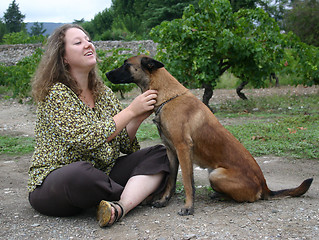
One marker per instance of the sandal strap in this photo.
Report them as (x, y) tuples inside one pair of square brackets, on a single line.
[(116, 212), (104, 213), (118, 218)]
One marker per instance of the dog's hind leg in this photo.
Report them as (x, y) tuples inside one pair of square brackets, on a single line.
[(171, 184), (235, 185)]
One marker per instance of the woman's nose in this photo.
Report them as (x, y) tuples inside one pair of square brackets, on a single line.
[(88, 44)]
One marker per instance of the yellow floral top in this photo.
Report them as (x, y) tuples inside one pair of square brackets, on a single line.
[(68, 131)]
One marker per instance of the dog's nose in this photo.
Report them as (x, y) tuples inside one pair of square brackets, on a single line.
[(108, 75)]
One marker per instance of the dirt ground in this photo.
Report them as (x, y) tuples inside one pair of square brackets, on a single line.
[(289, 218)]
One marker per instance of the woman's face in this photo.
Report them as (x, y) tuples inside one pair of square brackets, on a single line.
[(80, 53)]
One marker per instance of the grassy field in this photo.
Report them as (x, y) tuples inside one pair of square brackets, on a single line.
[(278, 125)]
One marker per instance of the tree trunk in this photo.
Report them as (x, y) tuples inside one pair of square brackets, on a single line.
[(274, 76), (122, 94), (241, 87), (208, 93)]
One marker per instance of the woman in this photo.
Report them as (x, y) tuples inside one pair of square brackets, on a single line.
[(81, 130)]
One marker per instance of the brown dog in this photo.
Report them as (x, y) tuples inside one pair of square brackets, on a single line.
[(192, 134)]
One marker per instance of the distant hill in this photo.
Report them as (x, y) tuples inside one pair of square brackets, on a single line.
[(49, 26)]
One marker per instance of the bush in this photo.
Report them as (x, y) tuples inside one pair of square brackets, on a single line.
[(22, 38), (17, 78)]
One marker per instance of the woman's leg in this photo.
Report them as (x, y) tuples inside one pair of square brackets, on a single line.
[(136, 190), (152, 161), (77, 186), (72, 188), (139, 188)]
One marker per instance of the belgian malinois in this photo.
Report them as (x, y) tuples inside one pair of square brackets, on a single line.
[(192, 134)]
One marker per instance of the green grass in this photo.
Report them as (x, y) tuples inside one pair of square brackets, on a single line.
[(280, 105), (147, 131), (5, 93), (285, 125), (276, 125), (295, 137), (16, 145)]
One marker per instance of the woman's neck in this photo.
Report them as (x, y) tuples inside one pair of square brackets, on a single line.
[(82, 79)]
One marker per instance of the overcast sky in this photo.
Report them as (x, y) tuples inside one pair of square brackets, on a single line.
[(58, 11)]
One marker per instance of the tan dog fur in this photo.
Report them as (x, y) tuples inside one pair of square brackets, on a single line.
[(192, 134)]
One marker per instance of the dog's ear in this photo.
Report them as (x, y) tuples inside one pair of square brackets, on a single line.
[(150, 64)]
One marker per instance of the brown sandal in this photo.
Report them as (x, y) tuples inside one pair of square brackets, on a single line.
[(104, 213)]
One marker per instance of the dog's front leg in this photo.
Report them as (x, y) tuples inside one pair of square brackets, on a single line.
[(171, 183), (184, 154)]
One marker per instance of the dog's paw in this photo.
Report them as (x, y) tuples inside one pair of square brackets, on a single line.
[(186, 211), (159, 203)]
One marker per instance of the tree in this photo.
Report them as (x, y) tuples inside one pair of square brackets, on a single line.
[(128, 19), (101, 23), (239, 4), (37, 29), (13, 18), (75, 21), (303, 20), (2, 29), (302, 61), (275, 8), (157, 11), (203, 44)]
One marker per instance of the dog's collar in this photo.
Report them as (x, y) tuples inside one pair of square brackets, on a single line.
[(163, 104)]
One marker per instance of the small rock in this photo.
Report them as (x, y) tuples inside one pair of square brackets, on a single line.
[(190, 236), (35, 225)]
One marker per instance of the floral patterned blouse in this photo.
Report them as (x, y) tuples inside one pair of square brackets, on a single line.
[(68, 131)]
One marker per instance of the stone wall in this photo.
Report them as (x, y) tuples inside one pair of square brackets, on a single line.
[(11, 54)]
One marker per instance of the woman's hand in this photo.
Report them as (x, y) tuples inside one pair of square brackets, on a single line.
[(132, 116), (142, 105)]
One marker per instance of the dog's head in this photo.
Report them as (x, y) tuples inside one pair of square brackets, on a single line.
[(136, 70)]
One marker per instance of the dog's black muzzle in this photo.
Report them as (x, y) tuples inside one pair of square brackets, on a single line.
[(120, 76)]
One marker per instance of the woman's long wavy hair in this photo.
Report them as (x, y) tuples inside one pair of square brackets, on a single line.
[(52, 68)]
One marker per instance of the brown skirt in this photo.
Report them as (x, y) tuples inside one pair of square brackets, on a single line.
[(77, 186)]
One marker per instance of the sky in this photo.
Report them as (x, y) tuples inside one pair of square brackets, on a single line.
[(57, 11)]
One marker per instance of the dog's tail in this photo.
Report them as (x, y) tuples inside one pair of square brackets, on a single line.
[(293, 192)]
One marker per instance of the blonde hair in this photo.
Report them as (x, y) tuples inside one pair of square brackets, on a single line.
[(52, 68)]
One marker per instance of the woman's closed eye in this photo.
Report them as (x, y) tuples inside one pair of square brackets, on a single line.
[(79, 43)]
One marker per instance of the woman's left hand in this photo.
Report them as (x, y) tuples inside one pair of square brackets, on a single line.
[(143, 104), (148, 98)]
